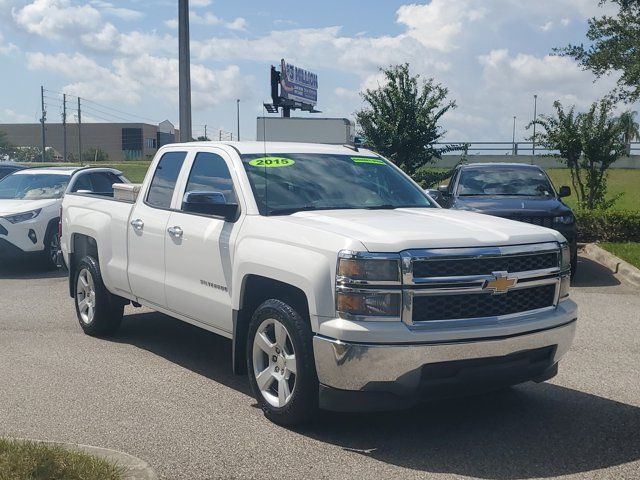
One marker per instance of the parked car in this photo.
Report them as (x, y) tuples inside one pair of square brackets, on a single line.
[(341, 284), (7, 167), (30, 202), (515, 191)]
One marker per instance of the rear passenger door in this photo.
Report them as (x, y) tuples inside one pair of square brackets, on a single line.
[(148, 230), (198, 262)]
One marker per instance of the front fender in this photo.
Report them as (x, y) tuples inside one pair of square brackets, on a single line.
[(309, 270)]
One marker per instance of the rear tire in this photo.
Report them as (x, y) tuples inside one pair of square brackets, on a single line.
[(99, 312), (51, 248), (281, 366)]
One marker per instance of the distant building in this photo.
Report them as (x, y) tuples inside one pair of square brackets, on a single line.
[(121, 141)]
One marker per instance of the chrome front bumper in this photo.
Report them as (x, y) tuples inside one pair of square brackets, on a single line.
[(398, 369)]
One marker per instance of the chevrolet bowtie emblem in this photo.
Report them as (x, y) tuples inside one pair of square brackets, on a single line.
[(501, 283)]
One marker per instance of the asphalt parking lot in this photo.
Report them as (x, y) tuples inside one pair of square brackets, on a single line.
[(163, 391)]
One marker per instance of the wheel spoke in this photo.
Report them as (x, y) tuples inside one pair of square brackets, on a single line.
[(281, 335), (265, 379), (83, 280), (283, 391), (265, 344), (82, 306), (90, 312), (291, 363)]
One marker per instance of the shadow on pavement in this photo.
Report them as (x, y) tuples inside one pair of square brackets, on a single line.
[(534, 430), (191, 347), (592, 274), (528, 431), (28, 269)]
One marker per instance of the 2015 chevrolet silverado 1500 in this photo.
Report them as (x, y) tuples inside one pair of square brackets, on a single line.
[(341, 284)]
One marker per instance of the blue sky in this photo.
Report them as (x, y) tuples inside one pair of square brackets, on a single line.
[(493, 55)]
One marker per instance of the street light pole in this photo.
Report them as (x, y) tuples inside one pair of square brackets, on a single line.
[(238, 114), (513, 140), (184, 71), (535, 116)]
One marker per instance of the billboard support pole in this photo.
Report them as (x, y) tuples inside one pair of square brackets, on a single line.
[(184, 71)]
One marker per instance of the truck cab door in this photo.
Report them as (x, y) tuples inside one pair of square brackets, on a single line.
[(148, 231), (199, 247)]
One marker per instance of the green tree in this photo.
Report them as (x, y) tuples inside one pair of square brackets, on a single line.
[(400, 119), (94, 154), (630, 128), (6, 148), (202, 138), (615, 47), (588, 142)]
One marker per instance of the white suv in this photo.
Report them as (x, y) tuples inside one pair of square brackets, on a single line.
[(30, 202)]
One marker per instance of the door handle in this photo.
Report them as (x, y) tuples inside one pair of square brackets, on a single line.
[(175, 232), (137, 224)]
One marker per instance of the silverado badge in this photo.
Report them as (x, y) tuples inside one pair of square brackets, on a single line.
[(501, 283)]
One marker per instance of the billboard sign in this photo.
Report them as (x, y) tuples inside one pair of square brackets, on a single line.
[(298, 84)]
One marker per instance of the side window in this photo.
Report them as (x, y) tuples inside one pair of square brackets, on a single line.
[(103, 183), (209, 173), (164, 179), (452, 182), (83, 182)]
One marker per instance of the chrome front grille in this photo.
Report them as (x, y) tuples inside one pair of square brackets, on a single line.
[(462, 284)]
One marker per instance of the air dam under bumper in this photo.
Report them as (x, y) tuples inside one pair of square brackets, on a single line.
[(366, 377)]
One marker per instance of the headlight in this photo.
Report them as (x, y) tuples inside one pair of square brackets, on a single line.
[(23, 217), (370, 304), (565, 257), (564, 220), (364, 268)]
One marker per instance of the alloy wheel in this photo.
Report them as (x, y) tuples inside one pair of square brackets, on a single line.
[(86, 296), (274, 362)]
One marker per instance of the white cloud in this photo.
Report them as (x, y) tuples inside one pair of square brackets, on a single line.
[(547, 26), (120, 12), (6, 48), (200, 3), (56, 18), (238, 24), (210, 19), (8, 115)]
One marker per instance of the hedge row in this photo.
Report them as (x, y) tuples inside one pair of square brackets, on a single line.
[(608, 225)]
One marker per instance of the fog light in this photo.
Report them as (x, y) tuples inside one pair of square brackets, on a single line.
[(32, 236)]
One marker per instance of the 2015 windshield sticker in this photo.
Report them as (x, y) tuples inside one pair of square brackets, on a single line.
[(271, 162), (374, 161)]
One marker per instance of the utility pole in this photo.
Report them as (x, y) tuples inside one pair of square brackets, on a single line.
[(42, 120), (184, 71), (535, 116), (79, 132), (205, 133), (64, 127), (238, 110), (220, 135)]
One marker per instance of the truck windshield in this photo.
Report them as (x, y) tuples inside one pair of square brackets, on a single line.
[(289, 183), (36, 186), (527, 182)]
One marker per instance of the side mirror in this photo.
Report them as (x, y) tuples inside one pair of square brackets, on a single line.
[(444, 189), (564, 191), (209, 203)]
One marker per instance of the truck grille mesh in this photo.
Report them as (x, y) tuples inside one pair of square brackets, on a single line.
[(478, 305), (541, 221), (484, 265)]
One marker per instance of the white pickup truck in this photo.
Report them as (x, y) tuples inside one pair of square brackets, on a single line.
[(341, 284)]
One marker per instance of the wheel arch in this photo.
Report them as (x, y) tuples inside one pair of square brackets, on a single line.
[(255, 290), (81, 246)]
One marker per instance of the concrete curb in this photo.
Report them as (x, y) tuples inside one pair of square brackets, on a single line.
[(618, 266), (134, 468)]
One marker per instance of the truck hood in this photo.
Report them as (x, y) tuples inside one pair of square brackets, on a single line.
[(408, 228), (512, 206), (10, 207)]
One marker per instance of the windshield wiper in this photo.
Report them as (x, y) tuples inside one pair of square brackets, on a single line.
[(304, 208), (386, 206)]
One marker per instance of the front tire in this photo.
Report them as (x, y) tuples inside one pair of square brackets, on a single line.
[(99, 312), (281, 366), (51, 248)]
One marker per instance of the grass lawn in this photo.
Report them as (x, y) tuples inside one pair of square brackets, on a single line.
[(35, 461), (620, 180), (627, 251)]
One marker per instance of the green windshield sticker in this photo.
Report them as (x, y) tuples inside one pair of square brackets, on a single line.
[(374, 161), (271, 162)]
